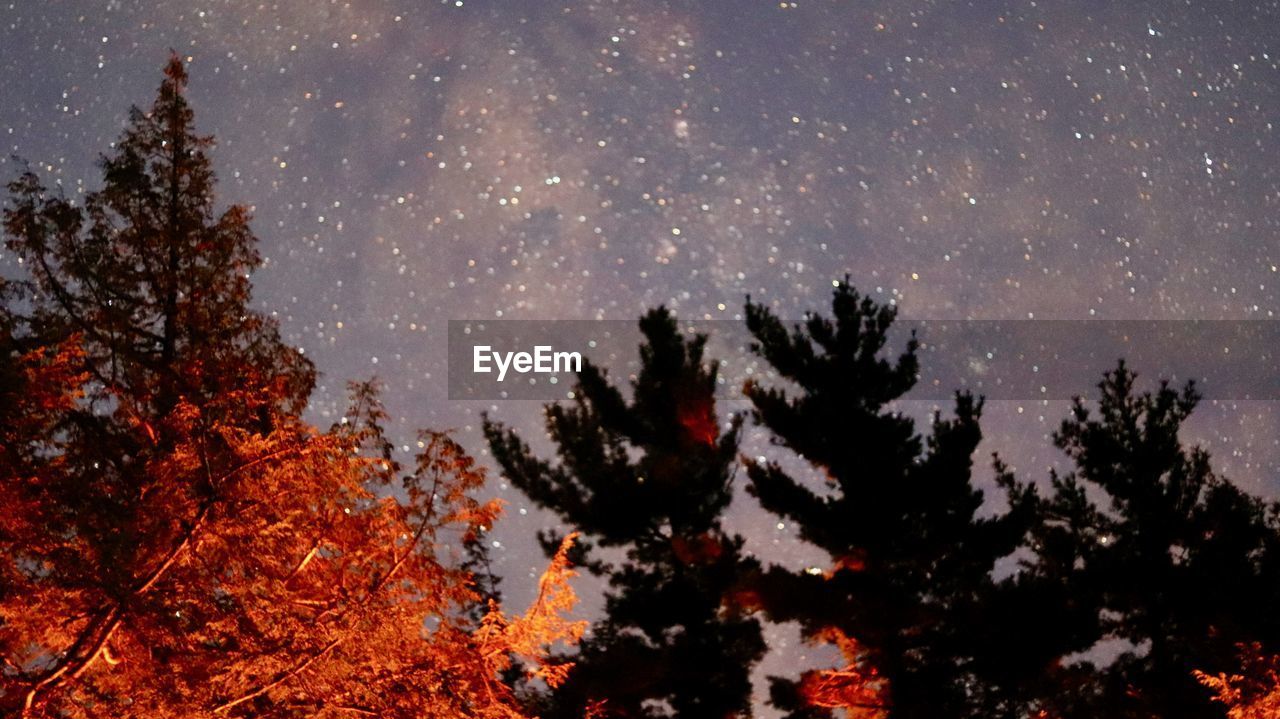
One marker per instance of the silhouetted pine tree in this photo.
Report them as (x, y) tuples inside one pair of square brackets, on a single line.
[(649, 478), (912, 560), (1174, 560)]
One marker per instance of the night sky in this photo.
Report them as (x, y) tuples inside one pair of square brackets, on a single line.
[(414, 162)]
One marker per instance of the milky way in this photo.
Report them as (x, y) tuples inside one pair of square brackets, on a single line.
[(410, 163)]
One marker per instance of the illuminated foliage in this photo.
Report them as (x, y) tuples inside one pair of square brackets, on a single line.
[(1254, 693), (176, 540), (856, 687)]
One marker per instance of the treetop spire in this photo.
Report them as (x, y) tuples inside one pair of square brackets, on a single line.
[(175, 72)]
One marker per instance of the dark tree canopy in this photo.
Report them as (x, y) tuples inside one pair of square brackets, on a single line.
[(1175, 561), (912, 558), (1140, 542), (649, 477)]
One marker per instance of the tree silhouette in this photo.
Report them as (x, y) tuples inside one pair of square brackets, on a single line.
[(911, 558), (648, 478), (1174, 560), (176, 540)]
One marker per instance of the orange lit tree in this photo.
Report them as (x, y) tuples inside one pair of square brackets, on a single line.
[(176, 541), (1254, 692)]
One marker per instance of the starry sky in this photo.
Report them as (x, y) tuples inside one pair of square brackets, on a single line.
[(414, 162)]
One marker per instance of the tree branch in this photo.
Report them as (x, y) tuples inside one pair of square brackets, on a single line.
[(287, 675), (76, 661), (377, 586)]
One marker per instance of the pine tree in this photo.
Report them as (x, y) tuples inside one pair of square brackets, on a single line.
[(176, 540), (648, 479), (1146, 544), (911, 558)]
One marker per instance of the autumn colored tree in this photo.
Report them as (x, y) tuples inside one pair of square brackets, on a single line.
[(1253, 692), (911, 558), (176, 541), (1149, 547), (645, 481)]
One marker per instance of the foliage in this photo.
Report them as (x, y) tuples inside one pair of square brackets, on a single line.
[(177, 540), (899, 517), (648, 479), (1252, 694), (857, 687), (1142, 542)]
